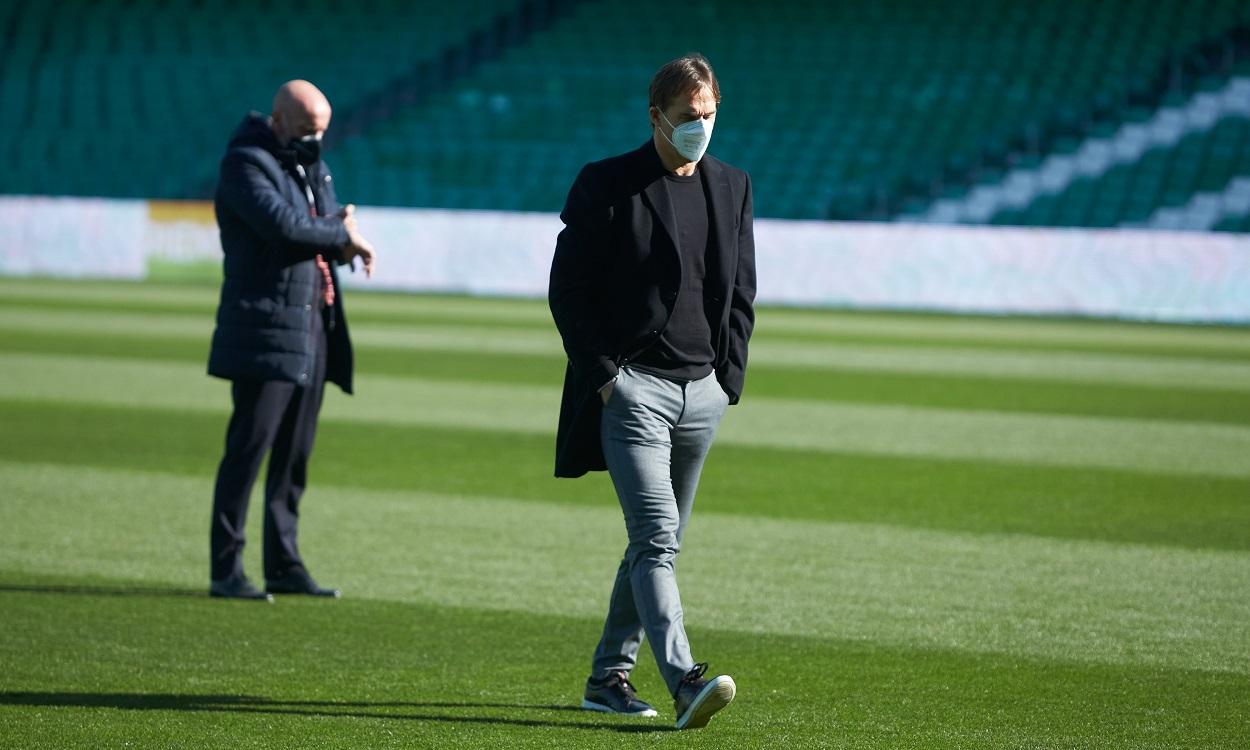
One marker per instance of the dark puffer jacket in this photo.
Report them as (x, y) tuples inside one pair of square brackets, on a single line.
[(269, 296)]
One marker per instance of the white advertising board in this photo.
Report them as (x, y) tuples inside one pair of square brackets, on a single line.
[(1137, 274)]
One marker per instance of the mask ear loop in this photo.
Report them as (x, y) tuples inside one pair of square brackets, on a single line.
[(674, 145), (673, 127)]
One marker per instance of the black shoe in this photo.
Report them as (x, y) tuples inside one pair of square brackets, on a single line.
[(237, 587), (614, 695), (298, 582), (697, 699)]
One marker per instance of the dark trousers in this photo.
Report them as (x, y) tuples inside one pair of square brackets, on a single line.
[(268, 414)]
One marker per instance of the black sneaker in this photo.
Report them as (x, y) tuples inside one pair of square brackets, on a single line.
[(614, 695), (297, 581), (237, 587), (697, 699)]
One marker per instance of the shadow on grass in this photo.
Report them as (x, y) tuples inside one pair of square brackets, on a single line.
[(355, 709), (88, 590)]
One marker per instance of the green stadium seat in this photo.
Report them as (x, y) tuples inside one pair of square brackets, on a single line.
[(124, 69)]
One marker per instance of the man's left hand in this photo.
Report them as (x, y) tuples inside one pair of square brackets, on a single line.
[(358, 247)]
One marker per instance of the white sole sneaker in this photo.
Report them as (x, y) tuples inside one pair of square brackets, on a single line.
[(590, 705), (714, 696)]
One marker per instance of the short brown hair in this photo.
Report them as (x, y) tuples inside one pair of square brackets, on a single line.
[(685, 75)]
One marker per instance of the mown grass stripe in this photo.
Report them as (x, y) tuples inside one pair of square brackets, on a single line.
[(1007, 331), (916, 389), (1059, 440), (175, 298), (1073, 503), (830, 326), (70, 292), (123, 663), (1139, 445), (1052, 366), (1020, 595)]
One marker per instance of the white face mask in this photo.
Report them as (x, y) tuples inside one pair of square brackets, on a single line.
[(690, 138)]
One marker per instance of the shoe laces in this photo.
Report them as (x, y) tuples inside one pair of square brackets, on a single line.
[(624, 684), (620, 681), (696, 672)]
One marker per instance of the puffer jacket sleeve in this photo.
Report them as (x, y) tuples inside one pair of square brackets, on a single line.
[(249, 190)]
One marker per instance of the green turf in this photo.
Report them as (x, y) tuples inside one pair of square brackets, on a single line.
[(187, 672), (777, 324), (919, 389), (915, 532), (956, 495), (986, 593)]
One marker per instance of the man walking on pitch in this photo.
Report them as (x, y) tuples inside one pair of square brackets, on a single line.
[(652, 288), (281, 331)]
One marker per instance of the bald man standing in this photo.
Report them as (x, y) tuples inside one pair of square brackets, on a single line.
[(281, 331)]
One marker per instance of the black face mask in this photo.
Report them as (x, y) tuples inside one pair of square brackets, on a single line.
[(307, 150)]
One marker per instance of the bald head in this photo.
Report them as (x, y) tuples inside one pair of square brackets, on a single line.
[(299, 109)]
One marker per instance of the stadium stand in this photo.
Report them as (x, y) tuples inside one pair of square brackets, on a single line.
[(869, 111), (1179, 163), (834, 108), (1148, 191), (136, 99), (1119, 177)]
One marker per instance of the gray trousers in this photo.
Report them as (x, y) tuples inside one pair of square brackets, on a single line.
[(656, 434)]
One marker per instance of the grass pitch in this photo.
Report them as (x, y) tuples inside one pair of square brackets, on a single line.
[(914, 532)]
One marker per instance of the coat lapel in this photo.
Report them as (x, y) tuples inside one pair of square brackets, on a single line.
[(721, 215), (660, 201)]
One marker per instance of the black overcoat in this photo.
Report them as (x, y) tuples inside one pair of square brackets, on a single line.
[(615, 278), (269, 293)]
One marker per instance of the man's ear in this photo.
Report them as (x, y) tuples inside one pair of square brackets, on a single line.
[(653, 114)]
